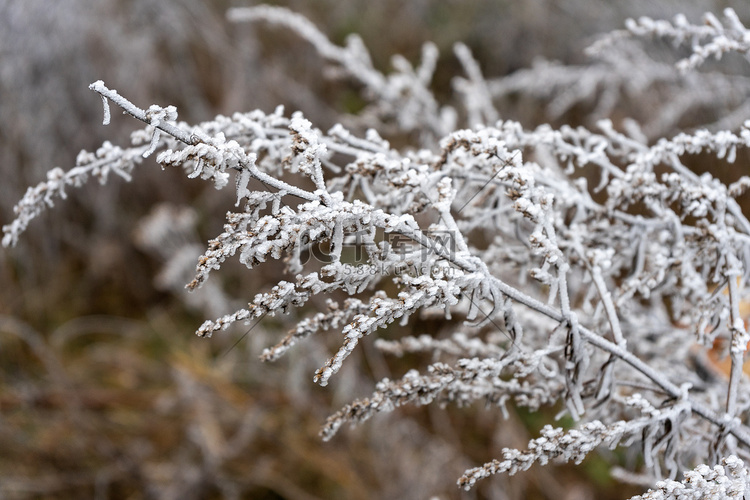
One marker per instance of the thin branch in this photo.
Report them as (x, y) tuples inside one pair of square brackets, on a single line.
[(193, 139)]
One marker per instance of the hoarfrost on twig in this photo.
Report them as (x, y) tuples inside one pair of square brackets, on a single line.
[(553, 291)]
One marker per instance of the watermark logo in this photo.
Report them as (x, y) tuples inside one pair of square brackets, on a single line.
[(412, 254)]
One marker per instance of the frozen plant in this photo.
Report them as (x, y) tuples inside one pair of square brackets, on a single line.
[(597, 301)]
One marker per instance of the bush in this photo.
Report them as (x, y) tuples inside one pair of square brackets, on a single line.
[(586, 272)]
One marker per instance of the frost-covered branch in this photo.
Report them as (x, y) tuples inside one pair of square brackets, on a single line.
[(712, 39), (597, 298), (658, 427), (728, 480)]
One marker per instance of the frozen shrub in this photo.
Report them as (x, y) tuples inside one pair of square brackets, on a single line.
[(599, 300)]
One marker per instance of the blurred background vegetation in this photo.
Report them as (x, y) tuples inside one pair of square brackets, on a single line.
[(104, 390)]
